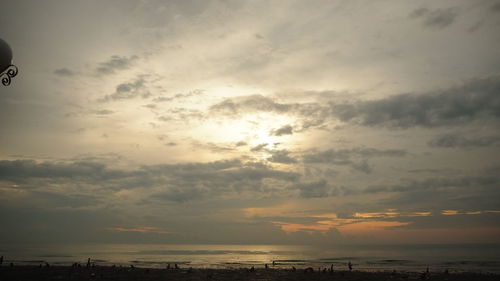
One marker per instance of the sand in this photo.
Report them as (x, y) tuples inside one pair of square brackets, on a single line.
[(25, 273)]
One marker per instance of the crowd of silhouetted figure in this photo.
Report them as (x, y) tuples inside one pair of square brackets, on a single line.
[(90, 265)]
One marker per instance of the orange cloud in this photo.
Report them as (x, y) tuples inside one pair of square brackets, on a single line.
[(143, 229), (419, 214), (449, 212), (365, 228), (295, 227), (388, 214), (455, 212)]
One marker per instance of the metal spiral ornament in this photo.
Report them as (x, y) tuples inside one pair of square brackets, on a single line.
[(10, 73), (7, 69)]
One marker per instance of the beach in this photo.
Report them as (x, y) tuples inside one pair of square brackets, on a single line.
[(28, 273)]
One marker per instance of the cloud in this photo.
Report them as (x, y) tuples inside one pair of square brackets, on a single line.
[(142, 229), (285, 130), (58, 200), (281, 156), (496, 7), (454, 140), (436, 19), (313, 189), (182, 194), (181, 96), (259, 147), (432, 184), (115, 63), (476, 99), (252, 103), (104, 112), (64, 72), (362, 166), (130, 90), (311, 114), (181, 114), (20, 171), (175, 182), (355, 158)]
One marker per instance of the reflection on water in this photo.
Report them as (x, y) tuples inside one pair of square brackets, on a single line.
[(484, 258)]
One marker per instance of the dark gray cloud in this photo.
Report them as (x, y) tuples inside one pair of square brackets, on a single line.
[(179, 96), (281, 156), (180, 114), (454, 140), (285, 130), (455, 193), (104, 112), (181, 194), (241, 143), (362, 166), (312, 114), (496, 7), (221, 178), (437, 19), (64, 72), (476, 99), (253, 103), (320, 189), (178, 181), (355, 158), (21, 171), (433, 184), (214, 147), (259, 147), (344, 156), (313, 189), (65, 200), (115, 63), (130, 90)]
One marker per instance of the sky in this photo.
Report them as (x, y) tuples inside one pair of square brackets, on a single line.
[(251, 122)]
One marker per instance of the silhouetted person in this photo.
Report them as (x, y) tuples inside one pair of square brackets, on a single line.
[(274, 263), (168, 266), (349, 264), (1, 260), (88, 262), (309, 270), (294, 269), (425, 275), (176, 266), (331, 268), (11, 264), (252, 269), (265, 265)]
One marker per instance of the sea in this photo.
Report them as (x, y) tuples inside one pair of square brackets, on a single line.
[(411, 258)]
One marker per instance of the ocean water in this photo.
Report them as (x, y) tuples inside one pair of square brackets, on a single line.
[(470, 257)]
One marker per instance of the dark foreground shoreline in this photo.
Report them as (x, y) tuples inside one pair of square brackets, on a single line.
[(29, 273)]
